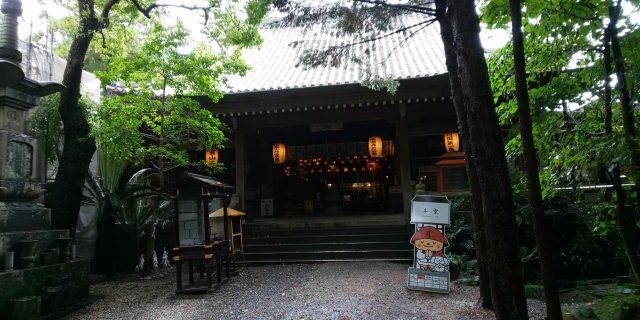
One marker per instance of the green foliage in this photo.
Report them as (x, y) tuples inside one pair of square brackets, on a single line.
[(461, 252), (581, 250), (126, 28), (146, 123), (563, 48), (124, 192), (529, 270), (462, 264), (46, 124), (534, 291), (617, 306), (375, 82)]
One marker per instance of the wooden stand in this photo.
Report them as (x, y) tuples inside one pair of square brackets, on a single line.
[(234, 227), (194, 246), (204, 256), (237, 246)]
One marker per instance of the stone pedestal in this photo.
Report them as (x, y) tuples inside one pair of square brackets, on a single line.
[(25, 308), (23, 216), (55, 295)]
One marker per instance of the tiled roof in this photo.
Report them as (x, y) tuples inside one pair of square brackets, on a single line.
[(274, 64)]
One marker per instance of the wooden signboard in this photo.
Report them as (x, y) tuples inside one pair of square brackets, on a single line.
[(430, 270)]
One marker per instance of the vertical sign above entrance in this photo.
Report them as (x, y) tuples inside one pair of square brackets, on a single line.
[(266, 207), (430, 269)]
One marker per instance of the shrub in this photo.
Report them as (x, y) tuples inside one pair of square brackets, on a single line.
[(618, 307), (533, 291)]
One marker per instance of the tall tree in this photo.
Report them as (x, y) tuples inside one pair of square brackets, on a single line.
[(625, 212), (507, 284), (223, 22), (596, 135), (463, 128), (543, 241), (155, 120)]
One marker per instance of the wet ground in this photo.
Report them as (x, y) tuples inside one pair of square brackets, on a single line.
[(347, 290)]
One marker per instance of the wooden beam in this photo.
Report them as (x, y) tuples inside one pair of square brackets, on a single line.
[(316, 117), (327, 96)]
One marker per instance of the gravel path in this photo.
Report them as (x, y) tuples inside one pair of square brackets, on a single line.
[(355, 290)]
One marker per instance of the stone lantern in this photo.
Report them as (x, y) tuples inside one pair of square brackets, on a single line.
[(21, 167), (52, 282)]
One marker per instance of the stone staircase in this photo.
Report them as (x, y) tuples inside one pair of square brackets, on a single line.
[(311, 245)]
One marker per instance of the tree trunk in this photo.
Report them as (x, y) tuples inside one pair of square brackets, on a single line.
[(543, 241), (79, 147), (625, 214), (507, 287), (463, 128), (151, 246), (151, 231), (105, 257), (625, 219), (606, 57)]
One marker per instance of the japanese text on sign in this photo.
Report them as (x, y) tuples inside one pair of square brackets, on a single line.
[(430, 212)]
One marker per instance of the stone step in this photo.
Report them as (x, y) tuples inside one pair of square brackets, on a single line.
[(23, 282), (56, 294), (306, 245), (248, 231), (408, 262), (352, 238), (327, 246), (329, 255)]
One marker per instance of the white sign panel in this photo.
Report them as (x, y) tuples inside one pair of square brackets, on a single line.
[(430, 209), (266, 207)]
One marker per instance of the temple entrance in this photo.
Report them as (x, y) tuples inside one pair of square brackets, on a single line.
[(338, 185), (327, 170)]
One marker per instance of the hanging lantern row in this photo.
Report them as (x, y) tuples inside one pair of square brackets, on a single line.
[(373, 147), (339, 160), (451, 141), (211, 158), (371, 166)]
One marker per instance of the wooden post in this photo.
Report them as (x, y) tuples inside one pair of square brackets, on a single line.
[(240, 169), (224, 209), (404, 163), (179, 274), (402, 154), (207, 228), (176, 217)]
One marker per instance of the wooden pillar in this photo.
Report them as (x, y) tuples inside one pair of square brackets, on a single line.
[(240, 169), (403, 161), (402, 154)]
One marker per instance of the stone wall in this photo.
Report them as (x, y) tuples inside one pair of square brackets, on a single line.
[(31, 282)]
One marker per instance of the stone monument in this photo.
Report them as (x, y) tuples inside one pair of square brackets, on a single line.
[(36, 277)]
